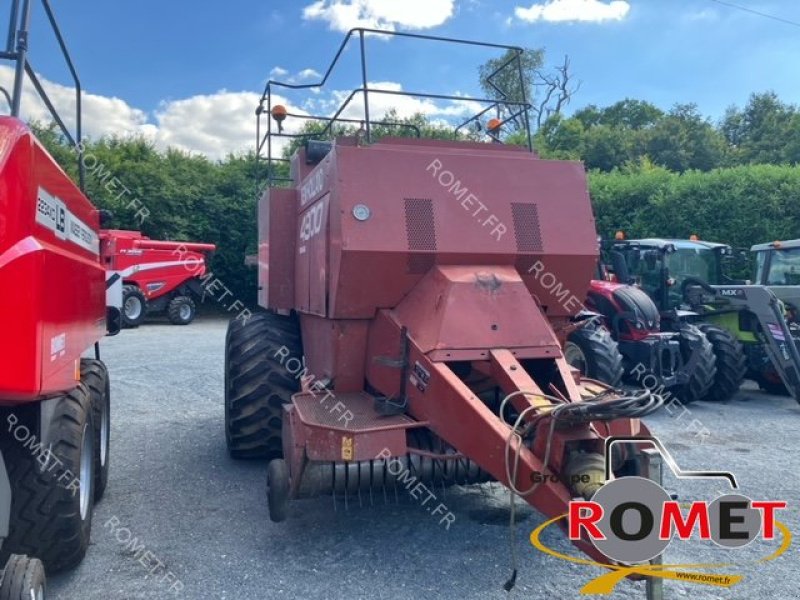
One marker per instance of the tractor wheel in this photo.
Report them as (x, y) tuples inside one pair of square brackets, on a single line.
[(698, 355), (94, 376), (277, 490), (23, 579), (731, 363), (593, 351), (181, 310), (51, 505), (134, 306), (257, 382)]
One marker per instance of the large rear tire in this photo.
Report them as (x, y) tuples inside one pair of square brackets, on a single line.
[(593, 351), (51, 507), (23, 579), (731, 363), (698, 355), (134, 306), (258, 382), (94, 376)]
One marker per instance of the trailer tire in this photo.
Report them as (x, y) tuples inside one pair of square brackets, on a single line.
[(698, 352), (257, 384), (277, 490), (50, 518), (181, 310), (134, 306), (94, 376), (592, 350), (731, 363), (23, 579)]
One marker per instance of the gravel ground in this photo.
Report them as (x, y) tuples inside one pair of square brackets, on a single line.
[(175, 490)]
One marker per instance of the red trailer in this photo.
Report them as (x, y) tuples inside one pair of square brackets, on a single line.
[(54, 399), (156, 275)]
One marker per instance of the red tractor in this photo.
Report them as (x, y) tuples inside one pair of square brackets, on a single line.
[(404, 338), (55, 401), (157, 276)]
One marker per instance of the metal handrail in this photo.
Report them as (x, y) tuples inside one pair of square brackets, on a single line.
[(518, 108), (17, 51)]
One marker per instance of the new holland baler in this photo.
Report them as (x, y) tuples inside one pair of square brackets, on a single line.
[(406, 334), (55, 305)]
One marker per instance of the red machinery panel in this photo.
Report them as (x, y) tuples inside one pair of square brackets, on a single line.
[(277, 235), (52, 284)]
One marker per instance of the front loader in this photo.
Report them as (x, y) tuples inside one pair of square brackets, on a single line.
[(746, 324), (405, 341), (55, 305)]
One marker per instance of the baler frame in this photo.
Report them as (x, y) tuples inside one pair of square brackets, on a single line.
[(515, 108)]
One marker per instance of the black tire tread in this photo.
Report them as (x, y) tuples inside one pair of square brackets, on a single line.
[(257, 385), (731, 363), (705, 367), (127, 290), (174, 307), (602, 353), (94, 376), (45, 515)]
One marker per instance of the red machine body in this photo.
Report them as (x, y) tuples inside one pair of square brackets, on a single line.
[(157, 268), (53, 300)]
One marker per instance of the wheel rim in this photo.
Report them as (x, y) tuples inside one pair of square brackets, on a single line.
[(105, 426), (575, 357), (185, 312), (87, 458), (133, 308)]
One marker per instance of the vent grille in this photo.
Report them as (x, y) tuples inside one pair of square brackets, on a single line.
[(421, 234), (526, 227)]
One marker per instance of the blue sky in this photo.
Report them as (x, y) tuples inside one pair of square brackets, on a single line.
[(187, 73)]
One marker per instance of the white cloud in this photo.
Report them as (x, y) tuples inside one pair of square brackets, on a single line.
[(306, 74), (278, 72), (343, 15), (574, 10)]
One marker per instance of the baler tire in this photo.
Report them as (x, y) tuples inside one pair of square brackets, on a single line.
[(132, 292), (23, 579), (181, 310), (603, 360), (50, 519), (705, 365), (257, 384), (731, 363), (94, 376), (277, 490)]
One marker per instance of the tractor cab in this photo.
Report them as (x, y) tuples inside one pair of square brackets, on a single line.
[(662, 267), (777, 266)]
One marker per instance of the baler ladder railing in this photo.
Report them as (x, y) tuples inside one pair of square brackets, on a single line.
[(517, 107), (16, 51)]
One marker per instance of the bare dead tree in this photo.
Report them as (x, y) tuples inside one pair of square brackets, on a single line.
[(554, 92)]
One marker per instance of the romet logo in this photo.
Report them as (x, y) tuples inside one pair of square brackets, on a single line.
[(632, 520)]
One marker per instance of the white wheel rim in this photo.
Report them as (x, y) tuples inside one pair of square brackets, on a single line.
[(133, 308), (85, 483), (575, 357), (185, 312)]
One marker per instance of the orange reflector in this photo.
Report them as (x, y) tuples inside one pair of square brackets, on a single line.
[(620, 235), (279, 112), (776, 244), (494, 124), (694, 237), (77, 370)]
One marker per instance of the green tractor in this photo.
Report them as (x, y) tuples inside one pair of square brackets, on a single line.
[(745, 324)]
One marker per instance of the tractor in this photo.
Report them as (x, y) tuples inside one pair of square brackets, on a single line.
[(679, 360), (778, 268), (56, 304), (157, 276), (405, 343), (745, 324)]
